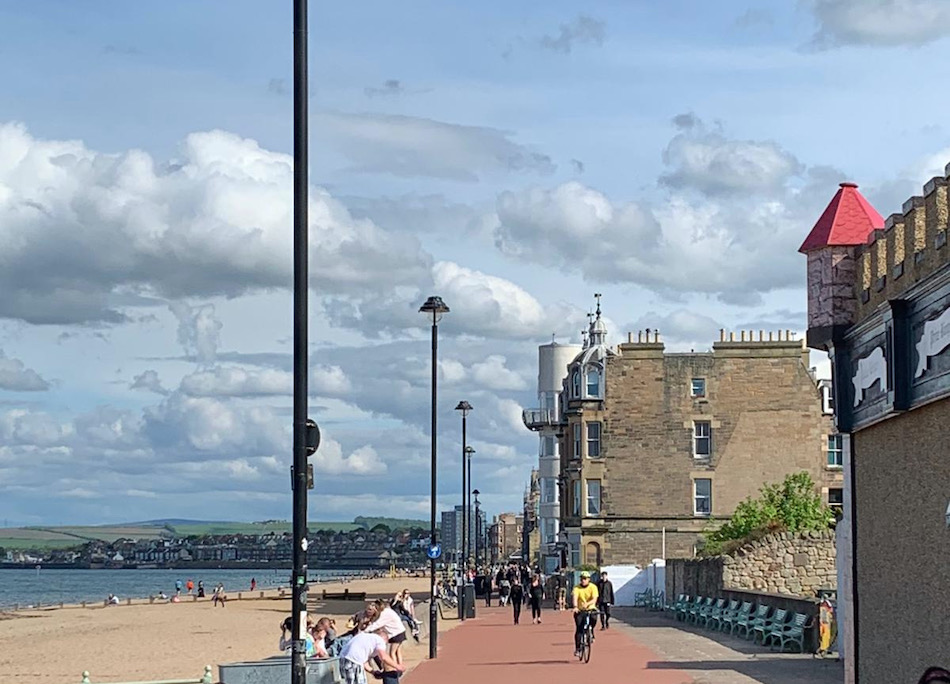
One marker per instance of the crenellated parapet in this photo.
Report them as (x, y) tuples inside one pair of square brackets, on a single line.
[(911, 247)]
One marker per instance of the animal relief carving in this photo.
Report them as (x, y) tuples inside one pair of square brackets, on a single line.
[(871, 368), (935, 339)]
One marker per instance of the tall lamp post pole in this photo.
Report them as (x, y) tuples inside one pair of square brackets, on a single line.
[(478, 522), (435, 308), (468, 488), (298, 670), (464, 407)]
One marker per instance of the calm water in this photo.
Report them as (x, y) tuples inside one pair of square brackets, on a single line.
[(27, 587)]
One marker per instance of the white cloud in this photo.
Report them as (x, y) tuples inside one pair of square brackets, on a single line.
[(879, 22), (78, 226), (329, 459), (414, 146), (148, 381), (199, 331), (494, 374), (328, 380), (226, 381), (16, 377)]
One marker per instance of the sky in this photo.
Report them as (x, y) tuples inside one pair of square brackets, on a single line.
[(513, 158)]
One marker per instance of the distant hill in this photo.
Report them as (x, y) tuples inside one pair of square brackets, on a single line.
[(49, 537)]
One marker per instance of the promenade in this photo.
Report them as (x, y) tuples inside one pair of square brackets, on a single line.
[(641, 647)]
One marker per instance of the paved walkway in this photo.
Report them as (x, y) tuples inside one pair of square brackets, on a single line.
[(640, 647), (491, 650)]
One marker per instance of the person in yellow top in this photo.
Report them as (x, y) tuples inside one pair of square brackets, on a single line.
[(585, 600)]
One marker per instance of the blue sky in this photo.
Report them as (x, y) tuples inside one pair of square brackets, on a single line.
[(513, 159)]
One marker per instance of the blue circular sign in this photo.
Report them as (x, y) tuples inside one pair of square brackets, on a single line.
[(434, 551)]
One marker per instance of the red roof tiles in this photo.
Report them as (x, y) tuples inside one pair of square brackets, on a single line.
[(848, 220)]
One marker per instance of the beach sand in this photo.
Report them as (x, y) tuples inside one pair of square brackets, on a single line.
[(171, 640)]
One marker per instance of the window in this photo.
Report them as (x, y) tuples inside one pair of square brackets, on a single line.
[(577, 440), (836, 499), (593, 381), (548, 446), (702, 439), (547, 490), (593, 440), (547, 531), (702, 497), (593, 497), (576, 384), (835, 451), (576, 503), (697, 387)]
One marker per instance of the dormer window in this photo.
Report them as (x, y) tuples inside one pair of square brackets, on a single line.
[(593, 382), (576, 384)]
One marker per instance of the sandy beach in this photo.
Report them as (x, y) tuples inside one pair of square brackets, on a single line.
[(169, 640)]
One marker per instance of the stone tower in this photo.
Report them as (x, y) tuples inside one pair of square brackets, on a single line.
[(846, 223)]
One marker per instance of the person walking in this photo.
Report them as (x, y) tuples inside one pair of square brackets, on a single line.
[(605, 599), (253, 584), (516, 598), (488, 582), (536, 596), (178, 586)]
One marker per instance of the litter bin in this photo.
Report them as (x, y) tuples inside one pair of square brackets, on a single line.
[(468, 600)]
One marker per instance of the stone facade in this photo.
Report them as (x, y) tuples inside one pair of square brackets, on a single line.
[(763, 411), (795, 564)]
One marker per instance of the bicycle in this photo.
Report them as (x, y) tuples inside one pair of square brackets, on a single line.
[(587, 638)]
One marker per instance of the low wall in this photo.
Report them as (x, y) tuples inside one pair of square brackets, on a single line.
[(783, 564), (793, 604)]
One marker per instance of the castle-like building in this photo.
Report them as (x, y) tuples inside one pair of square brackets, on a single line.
[(657, 447), (879, 303)]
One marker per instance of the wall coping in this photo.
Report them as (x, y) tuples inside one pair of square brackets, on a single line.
[(810, 535), (773, 595)]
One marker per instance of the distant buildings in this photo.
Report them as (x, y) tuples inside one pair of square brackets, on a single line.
[(451, 533), (505, 537), (655, 447)]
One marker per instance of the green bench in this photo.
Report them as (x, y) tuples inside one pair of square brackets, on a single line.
[(792, 633), (769, 626), (697, 609), (681, 607), (752, 621), (718, 619), (741, 615), (711, 611)]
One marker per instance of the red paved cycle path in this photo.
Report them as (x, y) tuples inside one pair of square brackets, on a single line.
[(491, 650)]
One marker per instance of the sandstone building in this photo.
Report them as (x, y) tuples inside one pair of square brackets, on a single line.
[(656, 447), (879, 303)]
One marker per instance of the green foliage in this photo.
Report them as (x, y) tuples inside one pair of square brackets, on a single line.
[(589, 567), (394, 524), (794, 506)]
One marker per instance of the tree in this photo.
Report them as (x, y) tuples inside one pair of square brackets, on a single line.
[(794, 506)]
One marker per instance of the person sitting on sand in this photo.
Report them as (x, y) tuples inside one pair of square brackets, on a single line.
[(113, 600), (356, 656)]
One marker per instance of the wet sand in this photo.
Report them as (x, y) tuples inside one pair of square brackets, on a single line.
[(170, 640)]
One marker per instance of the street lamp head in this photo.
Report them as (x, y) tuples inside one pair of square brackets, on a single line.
[(434, 307), (476, 493), (464, 407), (469, 451)]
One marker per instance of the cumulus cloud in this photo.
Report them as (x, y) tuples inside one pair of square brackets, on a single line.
[(329, 459), (730, 225), (16, 377), (226, 381), (79, 227), (148, 381), (582, 30), (681, 328), (199, 331), (328, 380), (879, 22), (706, 161), (418, 147)]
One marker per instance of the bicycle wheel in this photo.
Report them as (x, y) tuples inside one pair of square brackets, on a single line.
[(585, 654)]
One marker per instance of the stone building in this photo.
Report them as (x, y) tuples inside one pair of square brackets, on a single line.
[(656, 447), (505, 537), (879, 303)]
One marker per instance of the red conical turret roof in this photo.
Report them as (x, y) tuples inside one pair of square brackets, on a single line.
[(847, 221)]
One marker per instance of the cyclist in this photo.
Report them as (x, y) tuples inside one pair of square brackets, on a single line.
[(585, 600)]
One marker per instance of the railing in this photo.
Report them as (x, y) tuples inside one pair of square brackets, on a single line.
[(537, 418), (205, 679)]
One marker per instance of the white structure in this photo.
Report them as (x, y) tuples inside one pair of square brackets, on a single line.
[(552, 369)]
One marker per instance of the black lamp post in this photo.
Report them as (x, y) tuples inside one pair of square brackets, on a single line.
[(435, 308), (464, 407), (468, 488), (478, 533)]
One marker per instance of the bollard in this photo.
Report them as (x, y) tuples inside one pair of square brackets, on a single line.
[(85, 678), (346, 593), (239, 596), (194, 599), (60, 604), (324, 594), (128, 601), (207, 679), (262, 594), (83, 604)]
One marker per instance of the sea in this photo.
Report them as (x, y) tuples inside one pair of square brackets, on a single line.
[(32, 587)]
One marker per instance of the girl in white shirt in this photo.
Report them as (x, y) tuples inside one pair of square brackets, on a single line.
[(391, 625)]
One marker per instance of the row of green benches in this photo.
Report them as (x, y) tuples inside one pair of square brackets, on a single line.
[(779, 628), (654, 600)]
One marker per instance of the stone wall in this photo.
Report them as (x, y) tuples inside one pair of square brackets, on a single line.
[(785, 563)]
